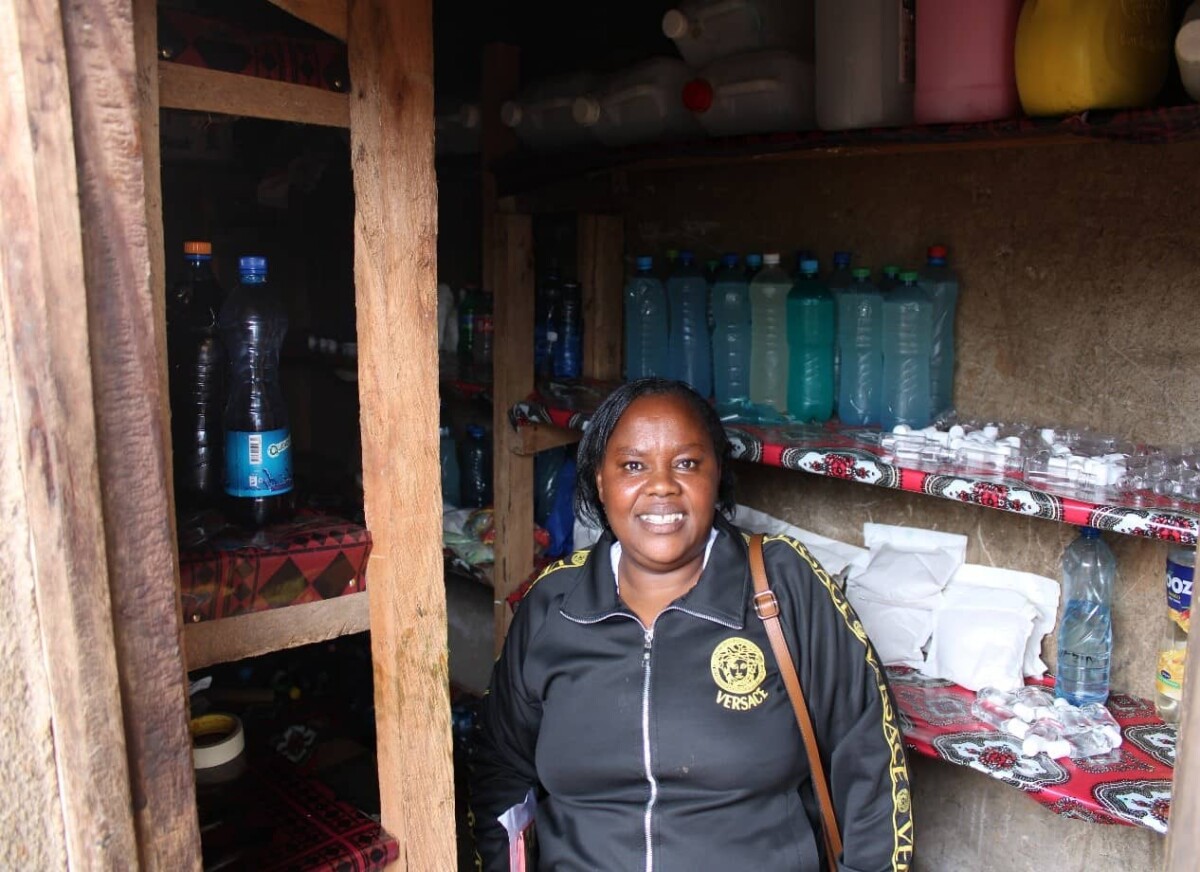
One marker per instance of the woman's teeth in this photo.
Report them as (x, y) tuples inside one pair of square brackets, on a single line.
[(662, 519)]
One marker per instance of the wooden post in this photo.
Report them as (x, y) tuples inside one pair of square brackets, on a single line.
[(52, 488), (127, 325), (1183, 835), (601, 243), (390, 44), (513, 381), (501, 77)]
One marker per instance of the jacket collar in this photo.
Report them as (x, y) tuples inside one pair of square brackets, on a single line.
[(721, 594)]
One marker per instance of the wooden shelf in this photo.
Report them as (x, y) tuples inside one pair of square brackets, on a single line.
[(249, 635), (198, 89)]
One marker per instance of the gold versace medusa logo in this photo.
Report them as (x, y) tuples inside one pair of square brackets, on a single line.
[(738, 668)]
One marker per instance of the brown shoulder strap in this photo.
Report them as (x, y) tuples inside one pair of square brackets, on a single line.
[(767, 607)]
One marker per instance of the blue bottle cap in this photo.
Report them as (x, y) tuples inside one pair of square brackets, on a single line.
[(474, 431), (1089, 532), (841, 258), (729, 260), (645, 262), (754, 260), (252, 264), (809, 267), (686, 257)]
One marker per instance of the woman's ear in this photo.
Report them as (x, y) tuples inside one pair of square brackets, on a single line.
[(600, 485)]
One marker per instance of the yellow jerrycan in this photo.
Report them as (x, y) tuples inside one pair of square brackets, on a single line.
[(1073, 55)]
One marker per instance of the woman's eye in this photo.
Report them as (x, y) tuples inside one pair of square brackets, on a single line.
[(633, 466), (688, 463)]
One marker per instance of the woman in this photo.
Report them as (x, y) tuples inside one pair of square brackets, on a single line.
[(637, 695)]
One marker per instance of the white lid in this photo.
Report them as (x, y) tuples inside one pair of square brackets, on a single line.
[(585, 111), (510, 113), (675, 24), (771, 258), (469, 115)]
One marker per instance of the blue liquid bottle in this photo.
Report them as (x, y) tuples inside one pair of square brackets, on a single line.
[(941, 283), (258, 441), (1085, 637), (568, 350), (860, 343), (731, 337), (768, 330), (689, 354), (645, 323), (890, 279), (907, 336), (810, 329)]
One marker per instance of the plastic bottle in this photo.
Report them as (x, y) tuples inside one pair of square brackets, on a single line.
[(840, 278), (542, 115), (860, 346), (890, 278), (476, 469), (1085, 637), (965, 61), (755, 92), (810, 347), (731, 337), (689, 354), (466, 326), (458, 130), (941, 283), (568, 351), (451, 481), (865, 58), (907, 338), (754, 263), (640, 104), (546, 315), (482, 338), (197, 379), (1073, 55), (645, 323), (1169, 684), (704, 30), (1187, 50), (768, 331), (258, 442)]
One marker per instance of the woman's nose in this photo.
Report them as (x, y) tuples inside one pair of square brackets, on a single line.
[(662, 481)]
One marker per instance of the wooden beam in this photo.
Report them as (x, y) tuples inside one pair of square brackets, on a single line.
[(202, 90), (501, 78), (1183, 835), (512, 381), (242, 636), (327, 15), (44, 315), (601, 245), (535, 438), (395, 274), (127, 327)]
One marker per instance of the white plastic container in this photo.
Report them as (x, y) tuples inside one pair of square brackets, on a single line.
[(1187, 51), (640, 104), (704, 30), (542, 118), (865, 63), (756, 92), (458, 131)]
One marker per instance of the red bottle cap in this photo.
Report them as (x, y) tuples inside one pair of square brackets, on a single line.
[(698, 95), (937, 251)]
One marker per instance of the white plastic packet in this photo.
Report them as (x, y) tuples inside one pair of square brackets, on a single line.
[(1041, 592), (980, 637), (898, 632)]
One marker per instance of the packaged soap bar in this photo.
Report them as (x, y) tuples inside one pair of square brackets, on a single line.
[(1073, 55)]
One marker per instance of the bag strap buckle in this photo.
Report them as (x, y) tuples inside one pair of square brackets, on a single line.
[(766, 605)]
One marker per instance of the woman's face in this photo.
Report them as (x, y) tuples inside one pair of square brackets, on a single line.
[(658, 483)]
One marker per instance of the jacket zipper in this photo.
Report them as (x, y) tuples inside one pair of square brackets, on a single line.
[(646, 747)]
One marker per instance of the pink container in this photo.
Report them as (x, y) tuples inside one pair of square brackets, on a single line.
[(965, 68)]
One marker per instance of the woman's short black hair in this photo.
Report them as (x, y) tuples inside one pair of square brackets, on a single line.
[(600, 429)]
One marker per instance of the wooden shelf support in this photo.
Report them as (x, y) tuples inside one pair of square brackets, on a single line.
[(202, 90), (536, 438), (601, 246)]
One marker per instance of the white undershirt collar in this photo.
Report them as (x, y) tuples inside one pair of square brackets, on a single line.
[(614, 557)]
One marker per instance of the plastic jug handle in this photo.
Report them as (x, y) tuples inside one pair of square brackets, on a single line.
[(750, 86), (716, 10)]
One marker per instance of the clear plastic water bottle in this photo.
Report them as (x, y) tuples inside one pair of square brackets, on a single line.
[(1172, 653), (1085, 637), (451, 480), (768, 331), (545, 334), (731, 337), (258, 441), (907, 337), (197, 379), (860, 342), (802, 255), (940, 282), (890, 279), (810, 332), (645, 323), (476, 469), (754, 263), (568, 350), (841, 276), (472, 297), (689, 355), (483, 330)]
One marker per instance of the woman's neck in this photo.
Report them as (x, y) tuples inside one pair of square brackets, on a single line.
[(648, 593)]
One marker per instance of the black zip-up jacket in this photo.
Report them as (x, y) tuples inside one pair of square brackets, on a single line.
[(674, 748)]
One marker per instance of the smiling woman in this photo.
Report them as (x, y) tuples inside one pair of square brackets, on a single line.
[(636, 698)]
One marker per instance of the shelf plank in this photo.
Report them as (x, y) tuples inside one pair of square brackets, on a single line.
[(331, 16), (536, 438), (249, 635), (198, 89)]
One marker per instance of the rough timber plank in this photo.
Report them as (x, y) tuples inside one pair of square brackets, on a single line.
[(1183, 837), (395, 262), (601, 242), (203, 90), (44, 309)]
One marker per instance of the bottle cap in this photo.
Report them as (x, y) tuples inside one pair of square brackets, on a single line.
[(474, 431), (675, 24), (1089, 532), (686, 257), (672, 254), (698, 95), (809, 267), (645, 262), (771, 258), (937, 252), (195, 246), (729, 259), (711, 265), (510, 113), (754, 260), (252, 264), (861, 273), (841, 258), (585, 111), (469, 115), (908, 276), (443, 431), (891, 271)]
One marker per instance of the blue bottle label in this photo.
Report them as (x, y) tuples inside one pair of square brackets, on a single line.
[(1179, 593), (258, 464)]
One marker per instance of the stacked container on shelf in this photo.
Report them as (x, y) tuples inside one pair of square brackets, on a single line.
[(639, 104), (542, 116)]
